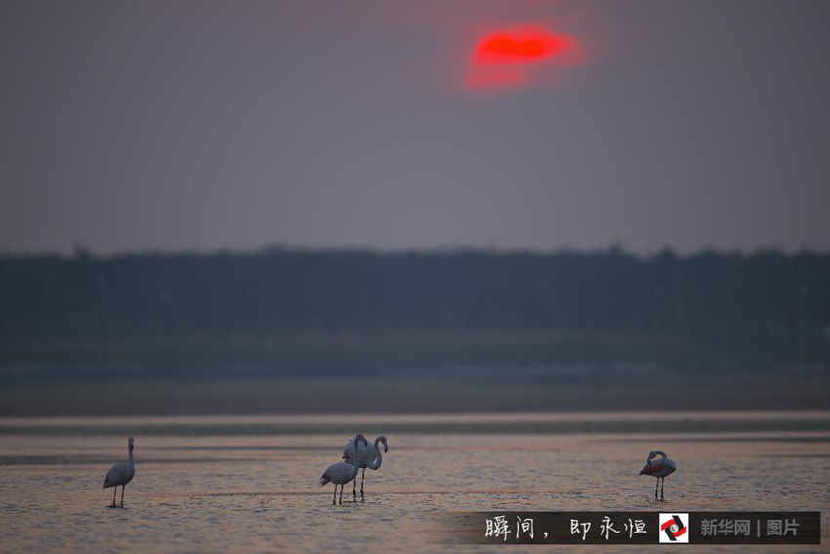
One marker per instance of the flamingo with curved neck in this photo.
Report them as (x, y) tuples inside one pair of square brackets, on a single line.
[(659, 468), (370, 457), (341, 473)]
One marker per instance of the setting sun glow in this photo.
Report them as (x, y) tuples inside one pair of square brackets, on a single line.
[(506, 58)]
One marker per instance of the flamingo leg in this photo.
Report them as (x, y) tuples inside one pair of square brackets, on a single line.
[(354, 487), (341, 494), (662, 488), (361, 483), (656, 485), (113, 497), (334, 496), (122, 494)]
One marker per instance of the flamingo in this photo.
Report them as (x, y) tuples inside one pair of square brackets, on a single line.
[(341, 473), (369, 457), (121, 474), (659, 468)]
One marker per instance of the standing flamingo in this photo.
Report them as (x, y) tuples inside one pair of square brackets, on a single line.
[(121, 474), (660, 468), (366, 457), (341, 473)]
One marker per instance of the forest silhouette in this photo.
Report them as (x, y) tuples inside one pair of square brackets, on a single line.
[(282, 311)]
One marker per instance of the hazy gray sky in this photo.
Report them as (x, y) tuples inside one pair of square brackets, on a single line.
[(178, 125)]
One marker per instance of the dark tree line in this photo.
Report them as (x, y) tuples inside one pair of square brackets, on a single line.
[(763, 300)]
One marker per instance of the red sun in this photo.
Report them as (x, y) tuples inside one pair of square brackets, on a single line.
[(507, 58)]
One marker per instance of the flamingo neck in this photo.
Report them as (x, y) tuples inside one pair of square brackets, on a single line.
[(355, 461), (379, 458)]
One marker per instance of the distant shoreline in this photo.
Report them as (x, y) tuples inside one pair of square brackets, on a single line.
[(809, 426), (593, 392)]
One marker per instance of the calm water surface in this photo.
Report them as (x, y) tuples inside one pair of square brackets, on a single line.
[(249, 492)]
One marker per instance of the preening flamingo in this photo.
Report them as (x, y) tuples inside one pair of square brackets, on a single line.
[(658, 467)]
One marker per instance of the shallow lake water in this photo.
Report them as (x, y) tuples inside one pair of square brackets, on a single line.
[(226, 490)]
